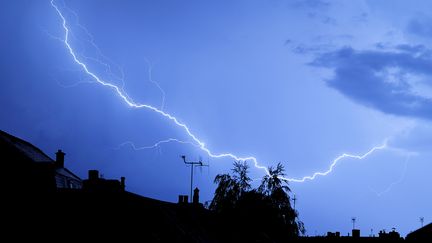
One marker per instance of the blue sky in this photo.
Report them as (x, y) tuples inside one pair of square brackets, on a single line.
[(297, 82)]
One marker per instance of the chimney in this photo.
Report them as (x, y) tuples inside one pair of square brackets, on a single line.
[(182, 199), (93, 175), (122, 183), (196, 196), (60, 158), (356, 233)]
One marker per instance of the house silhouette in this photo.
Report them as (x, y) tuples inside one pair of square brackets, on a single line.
[(422, 234), (27, 168), (43, 199)]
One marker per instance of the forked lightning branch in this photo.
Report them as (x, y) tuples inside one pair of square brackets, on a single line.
[(194, 139)]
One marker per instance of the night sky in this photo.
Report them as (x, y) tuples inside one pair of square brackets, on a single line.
[(297, 82)]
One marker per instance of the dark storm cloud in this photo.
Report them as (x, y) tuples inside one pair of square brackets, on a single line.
[(361, 76), (416, 139)]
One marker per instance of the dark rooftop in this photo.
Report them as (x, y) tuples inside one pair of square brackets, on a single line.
[(28, 149)]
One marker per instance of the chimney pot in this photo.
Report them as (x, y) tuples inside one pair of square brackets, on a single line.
[(356, 233), (196, 196), (93, 175), (60, 158)]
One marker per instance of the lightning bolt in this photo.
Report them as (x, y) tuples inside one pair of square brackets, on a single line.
[(150, 78), (401, 178), (169, 140), (197, 142), (336, 161)]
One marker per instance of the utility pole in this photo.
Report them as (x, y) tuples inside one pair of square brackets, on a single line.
[(192, 164), (421, 221), (294, 200)]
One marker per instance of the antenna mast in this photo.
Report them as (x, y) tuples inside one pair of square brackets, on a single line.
[(192, 164), (353, 219)]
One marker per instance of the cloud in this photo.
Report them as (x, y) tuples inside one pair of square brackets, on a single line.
[(304, 49), (315, 9), (319, 44), (415, 49), (322, 18), (396, 81), (420, 26), (416, 139)]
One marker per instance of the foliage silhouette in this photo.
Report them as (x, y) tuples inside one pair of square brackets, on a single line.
[(263, 214)]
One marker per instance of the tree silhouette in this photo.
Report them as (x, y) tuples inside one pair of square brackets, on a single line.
[(240, 176), (226, 193), (277, 190), (256, 214), (272, 183), (230, 188)]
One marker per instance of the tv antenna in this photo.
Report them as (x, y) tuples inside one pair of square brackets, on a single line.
[(192, 165), (353, 219)]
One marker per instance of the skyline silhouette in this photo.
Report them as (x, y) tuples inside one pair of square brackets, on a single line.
[(237, 213)]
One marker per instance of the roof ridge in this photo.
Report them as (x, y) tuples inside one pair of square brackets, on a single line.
[(13, 139), (70, 172)]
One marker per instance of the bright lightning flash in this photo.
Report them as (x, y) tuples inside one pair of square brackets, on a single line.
[(336, 161), (201, 145)]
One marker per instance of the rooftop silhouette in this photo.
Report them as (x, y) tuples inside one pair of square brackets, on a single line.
[(38, 188)]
